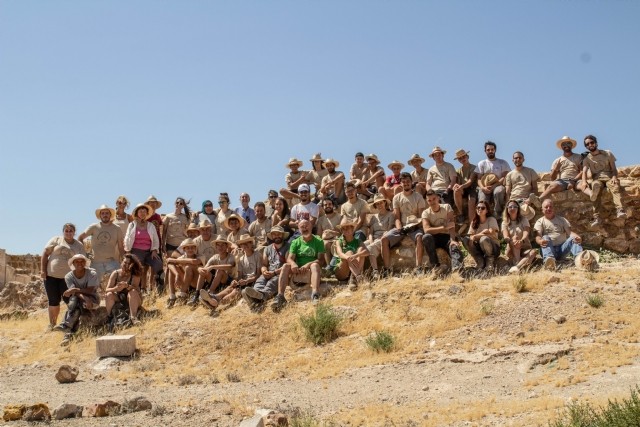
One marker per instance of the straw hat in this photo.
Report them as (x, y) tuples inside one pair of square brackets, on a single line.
[(413, 220), (245, 238), (332, 161), (232, 216), (415, 158), (566, 139), (106, 208), (205, 223), (461, 153), (149, 209), (188, 242), (316, 158), (396, 162), (277, 229), (294, 161), (587, 260), (219, 238), (437, 149), (152, 199), (527, 211), (193, 227), (374, 157), (489, 179), (87, 261), (347, 223), (379, 198)]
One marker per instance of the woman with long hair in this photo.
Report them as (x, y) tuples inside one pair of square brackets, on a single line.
[(175, 224), (482, 238), (281, 215), (222, 213), (124, 287), (515, 232)]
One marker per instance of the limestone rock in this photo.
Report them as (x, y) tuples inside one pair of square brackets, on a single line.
[(559, 319), (67, 410), (37, 412), (13, 412), (105, 409), (138, 403), (66, 374), (255, 421), (617, 245), (276, 419)]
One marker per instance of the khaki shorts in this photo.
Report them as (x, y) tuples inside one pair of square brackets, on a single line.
[(302, 278), (375, 248)]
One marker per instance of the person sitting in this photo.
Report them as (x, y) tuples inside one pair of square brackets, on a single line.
[(419, 174), (442, 176), (273, 258), (554, 235), (248, 272), (521, 183), (466, 187), (332, 184), (293, 179), (316, 174), (482, 239), (372, 177), (438, 224), (260, 227), (566, 170), (327, 228), (492, 173), (355, 210), (515, 232), (392, 185), (123, 289), (184, 270), (245, 211), (81, 294), (379, 223), (236, 226), (351, 254)]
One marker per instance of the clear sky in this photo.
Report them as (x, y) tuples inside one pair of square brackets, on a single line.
[(192, 98)]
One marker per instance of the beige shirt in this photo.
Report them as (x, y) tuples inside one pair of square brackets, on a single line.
[(516, 230), (569, 167), (439, 176), (439, 218), (176, 228), (329, 177), (490, 223), (315, 177), (205, 249), (326, 222), (521, 182), (421, 176), (380, 224), (249, 266), (352, 211), (105, 239), (259, 230), (357, 172), (62, 251), (291, 177), (412, 205), (558, 229), (600, 164), (368, 173), (465, 172), (220, 217)]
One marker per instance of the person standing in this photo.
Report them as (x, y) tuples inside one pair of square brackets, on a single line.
[(489, 190), (466, 187)]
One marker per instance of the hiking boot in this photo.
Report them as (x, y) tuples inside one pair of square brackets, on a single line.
[(535, 200), (479, 259), (171, 301), (489, 265), (60, 328), (621, 214), (253, 293), (550, 264), (596, 187), (278, 303), (596, 222), (194, 299), (208, 298), (67, 339), (315, 298), (385, 273)]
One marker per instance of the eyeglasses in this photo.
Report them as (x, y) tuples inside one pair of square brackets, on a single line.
[(481, 208), (513, 207)]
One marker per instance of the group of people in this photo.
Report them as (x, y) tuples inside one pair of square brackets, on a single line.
[(324, 222)]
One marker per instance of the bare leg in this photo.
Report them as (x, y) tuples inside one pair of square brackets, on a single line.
[(135, 301), (54, 311)]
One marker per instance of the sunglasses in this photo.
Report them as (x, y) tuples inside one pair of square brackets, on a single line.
[(272, 197), (481, 208), (512, 207), (179, 203)]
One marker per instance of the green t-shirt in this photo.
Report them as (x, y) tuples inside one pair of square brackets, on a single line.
[(306, 252)]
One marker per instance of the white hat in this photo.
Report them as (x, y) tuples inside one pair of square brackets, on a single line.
[(587, 260)]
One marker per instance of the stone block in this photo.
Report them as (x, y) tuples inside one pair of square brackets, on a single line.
[(116, 345), (255, 421)]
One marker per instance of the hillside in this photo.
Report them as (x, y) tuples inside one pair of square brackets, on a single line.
[(474, 350)]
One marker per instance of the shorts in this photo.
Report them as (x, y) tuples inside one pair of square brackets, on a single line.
[(470, 192), (300, 278), (105, 267), (146, 258), (54, 288), (564, 183), (374, 248), (395, 236)]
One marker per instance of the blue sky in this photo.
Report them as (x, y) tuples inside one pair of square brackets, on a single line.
[(193, 98)]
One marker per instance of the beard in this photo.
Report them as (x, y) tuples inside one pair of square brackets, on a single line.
[(491, 156)]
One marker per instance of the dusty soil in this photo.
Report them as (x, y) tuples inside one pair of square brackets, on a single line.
[(517, 363)]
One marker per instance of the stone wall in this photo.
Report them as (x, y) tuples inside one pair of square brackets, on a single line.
[(18, 268)]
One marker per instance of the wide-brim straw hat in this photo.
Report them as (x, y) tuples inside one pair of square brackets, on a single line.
[(188, 242), (193, 226), (416, 158), (153, 199), (205, 223), (587, 260), (379, 198), (527, 211), (461, 153), (106, 208), (566, 139), (232, 216), (316, 158), (437, 149), (294, 161), (347, 223), (219, 238), (244, 238), (374, 157), (78, 256), (489, 179), (413, 220), (333, 161), (396, 162), (149, 209), (278, 229)]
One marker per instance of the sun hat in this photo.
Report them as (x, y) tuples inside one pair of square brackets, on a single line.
[(566, 139), (437, 149), (413, 220), (489, 179), (87, 261), (219, 238), (379, 198), (461, 153), (193, 226), (316, 158), (527, 211), (277, 229), (333, 161), (149, 209), (587, 260), (205, 223), (152, 199), (106, 208), (234, 216), (293, 161), (414, 158), (346, 223), (188, 242), (374, 157), (396, 162), (244, 238)]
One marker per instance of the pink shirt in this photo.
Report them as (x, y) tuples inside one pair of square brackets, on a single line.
[(142, 240)]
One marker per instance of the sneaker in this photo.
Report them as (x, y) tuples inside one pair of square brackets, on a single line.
[(60, 328), (419, 271), (278, 303), (49, 328), (253, 293), (385, 273), (353, 283), (596, 187), (595, 223), (550, 264), (67, 339), (135, 321), (171, 301), (535, 200), (315, 298), (375, 275), (209, 299), (194, 299), (489, 264), (621, 214), (514, 270)]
